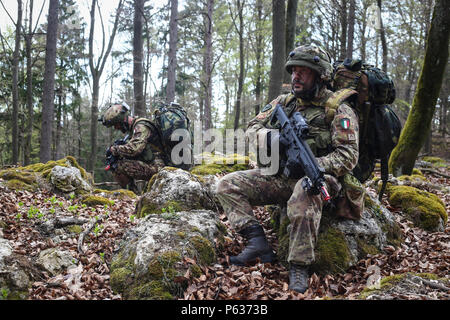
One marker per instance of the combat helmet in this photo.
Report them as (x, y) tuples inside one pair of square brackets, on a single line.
[(311, 56), (115, 114)]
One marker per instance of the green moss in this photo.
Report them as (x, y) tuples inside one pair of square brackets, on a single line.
[(92, 201), (202, 250), (171, 168), (390, 281), (385, 284), (412, 177), (75, 229), (124, 261), (15, 184), (147, 209), (151, 182), (417, 172), (14, 174), (162, 266), (153, 290), (433, 159), (332, 252), (121, 193), (424, 208), (171, 206), (195, 270), (121, 279), (213, 164), (365, 248)]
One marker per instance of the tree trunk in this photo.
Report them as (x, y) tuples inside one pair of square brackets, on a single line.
[(240, 30), (29, 129), (419, 119), (96, 72), (351, 29), (207, 60), (258, 56), (278, 47), (344, 26), (383, 40), (172, 56), (15, 86), (138, 54), (48, 94), (291, 22)]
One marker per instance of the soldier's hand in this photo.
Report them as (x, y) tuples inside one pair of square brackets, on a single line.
[(108, 152)]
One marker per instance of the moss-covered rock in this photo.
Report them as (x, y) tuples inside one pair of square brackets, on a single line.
[(435, 161), (332, 252), (119, 194), (149, 263), (401, 285), (214, 164), (423, 208), (174, 190), (342, 243), (38, 176), (92, 200)]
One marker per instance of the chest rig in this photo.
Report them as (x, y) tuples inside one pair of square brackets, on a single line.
[(319, 115)]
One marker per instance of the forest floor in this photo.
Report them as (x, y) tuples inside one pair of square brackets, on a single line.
[(24, 212)]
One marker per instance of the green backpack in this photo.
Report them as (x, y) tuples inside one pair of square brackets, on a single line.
[(169, 118), (379, 125)]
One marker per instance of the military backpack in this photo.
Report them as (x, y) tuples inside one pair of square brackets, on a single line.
[(169, 118), (379, 125)]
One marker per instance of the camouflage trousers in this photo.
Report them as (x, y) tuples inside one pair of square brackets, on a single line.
[(239, 191), (129, 170)]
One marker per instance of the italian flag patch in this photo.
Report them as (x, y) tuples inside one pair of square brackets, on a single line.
[(345, 123)]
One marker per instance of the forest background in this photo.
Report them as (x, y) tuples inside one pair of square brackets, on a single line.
[(221, 60)]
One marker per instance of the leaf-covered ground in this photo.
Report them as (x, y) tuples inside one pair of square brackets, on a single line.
[(24, 212)]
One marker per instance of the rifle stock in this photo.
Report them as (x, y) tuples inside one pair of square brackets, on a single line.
[(111, 161)]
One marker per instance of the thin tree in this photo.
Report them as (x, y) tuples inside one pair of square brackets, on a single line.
[(96, 71), (138, 54), (278, 48), (383, 39), (291, 23), (344, 27), (351, 29), (429, 84), (48, 92), (172, 55), (207, 63), (240, 30), (15, 85)]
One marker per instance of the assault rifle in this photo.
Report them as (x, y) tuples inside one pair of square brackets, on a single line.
[(111, 161), (292, 136)]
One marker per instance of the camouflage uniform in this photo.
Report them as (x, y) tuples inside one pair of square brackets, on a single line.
[(141, 157), (334, 141)]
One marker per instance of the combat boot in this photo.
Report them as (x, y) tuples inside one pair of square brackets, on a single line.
[(298, 278), (257, 247)]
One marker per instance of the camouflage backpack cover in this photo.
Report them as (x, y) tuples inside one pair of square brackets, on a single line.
[(169, 118), (379, 125)]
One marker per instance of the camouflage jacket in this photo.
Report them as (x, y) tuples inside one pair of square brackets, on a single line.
[(144, 143), (334, 130)]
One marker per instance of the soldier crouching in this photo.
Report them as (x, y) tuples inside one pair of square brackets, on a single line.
[(141, 156)]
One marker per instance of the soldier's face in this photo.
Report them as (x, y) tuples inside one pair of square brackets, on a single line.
[(303, 78)]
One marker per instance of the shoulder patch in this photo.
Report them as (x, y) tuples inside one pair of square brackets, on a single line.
[(267, 107)]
